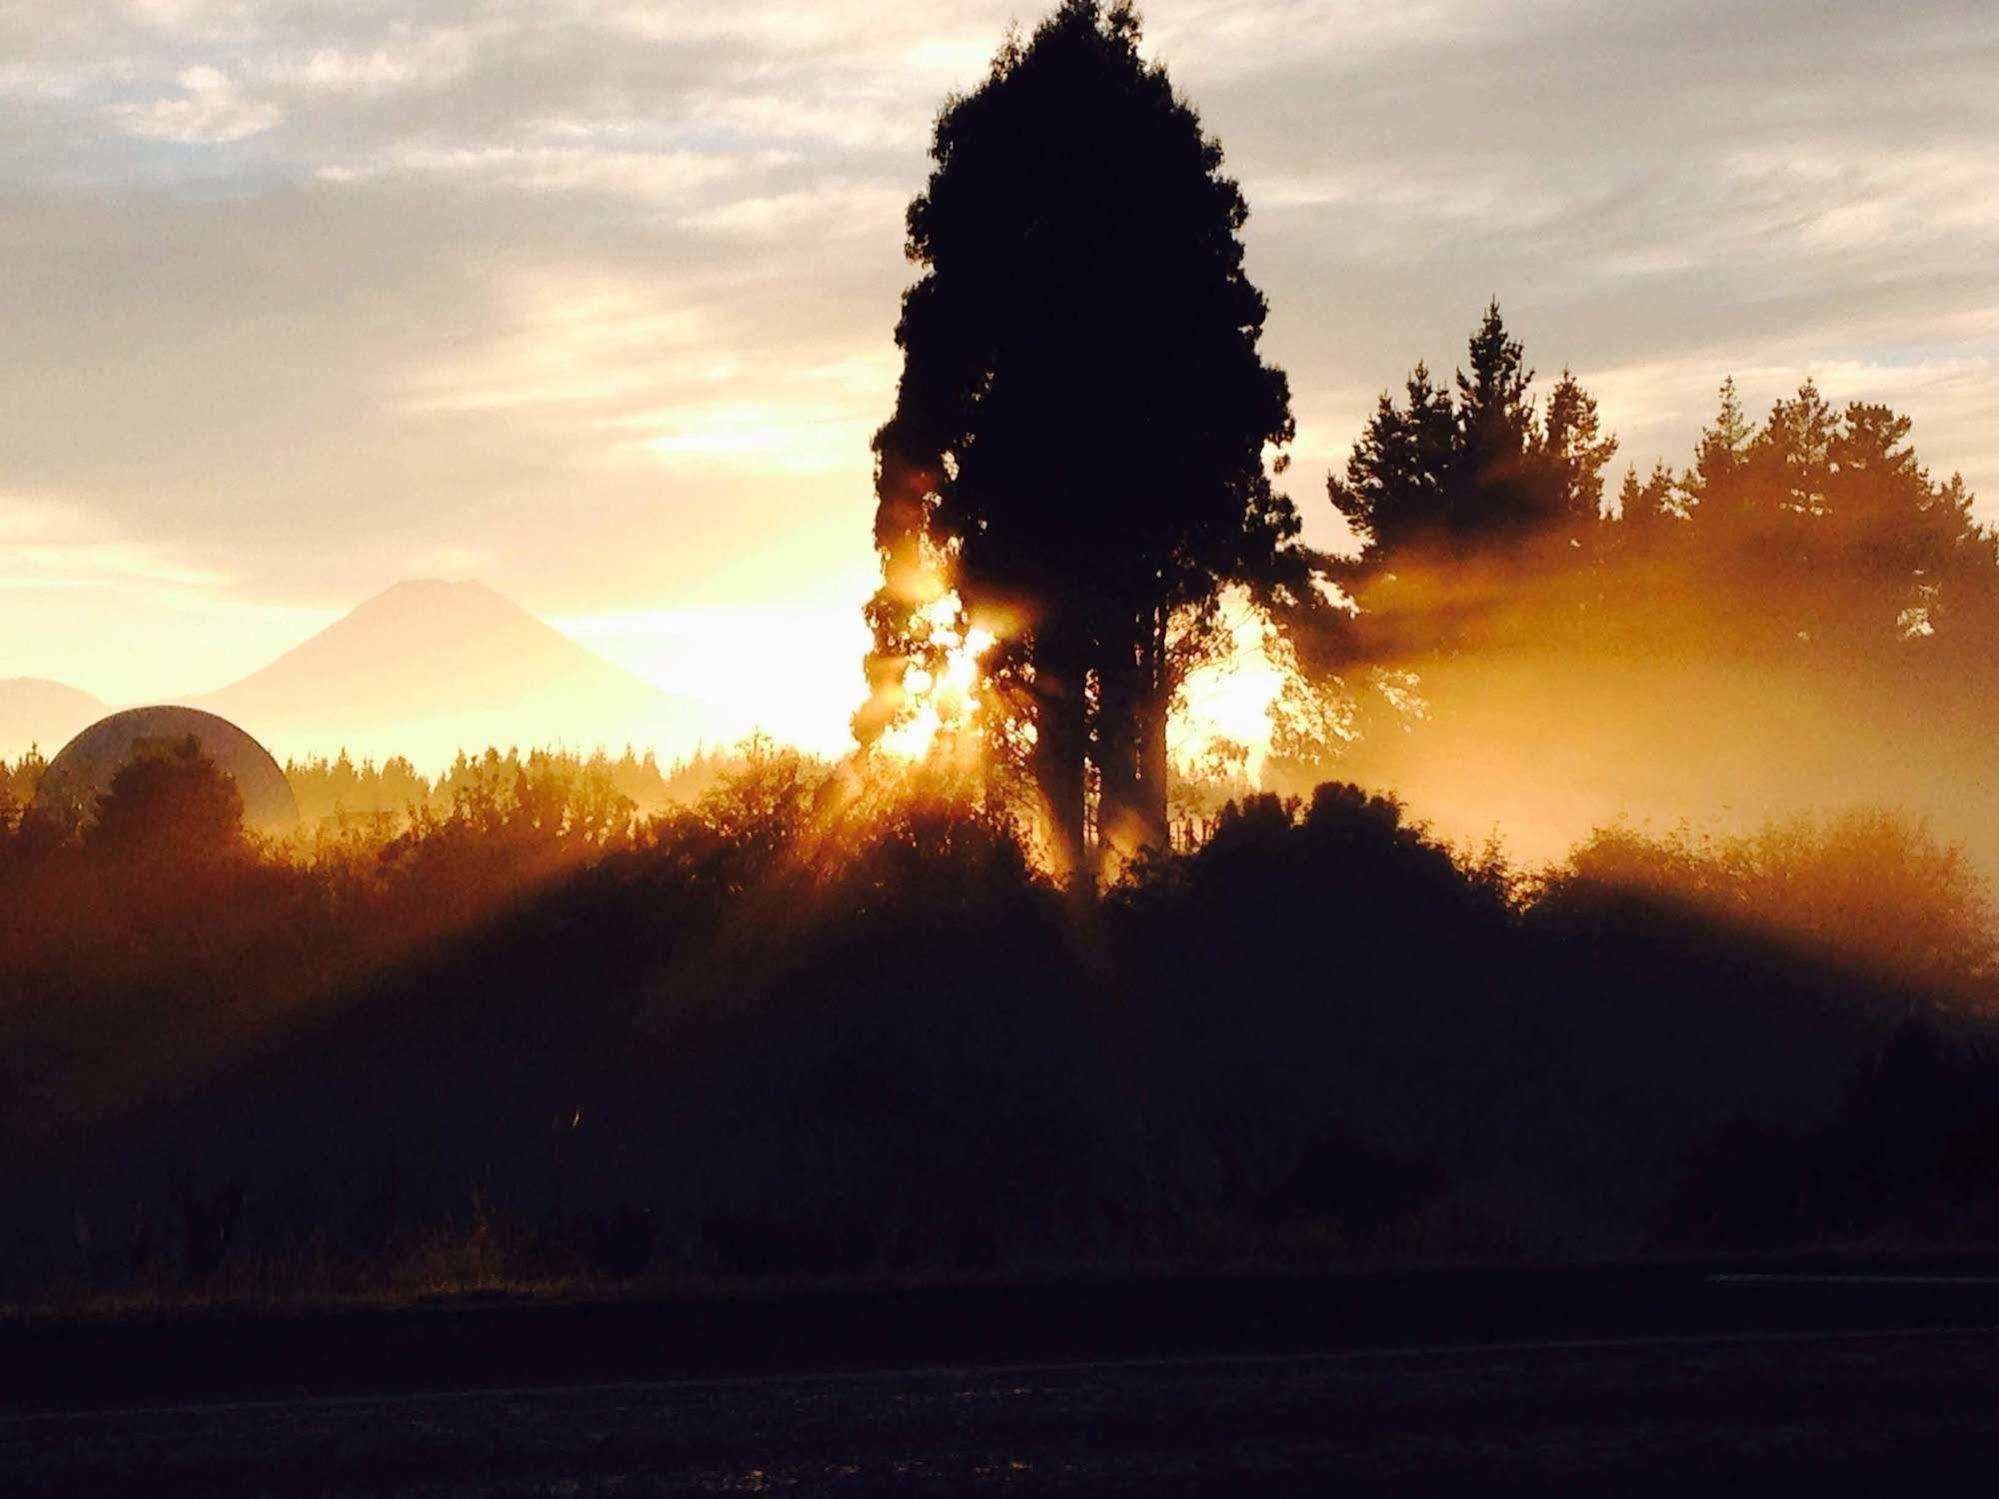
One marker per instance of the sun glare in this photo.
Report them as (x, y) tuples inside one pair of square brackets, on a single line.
[(948, 699), (1229, 697)]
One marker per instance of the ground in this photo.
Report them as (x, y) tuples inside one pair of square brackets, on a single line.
[(1763, 1390)]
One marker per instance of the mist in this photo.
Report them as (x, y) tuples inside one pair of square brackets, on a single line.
[(1520, 732)]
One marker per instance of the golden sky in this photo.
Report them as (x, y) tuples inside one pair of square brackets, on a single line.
[(594, 301)]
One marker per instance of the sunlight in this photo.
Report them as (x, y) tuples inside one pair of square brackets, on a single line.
[(1229, 698), (947, 700), (791, 673)]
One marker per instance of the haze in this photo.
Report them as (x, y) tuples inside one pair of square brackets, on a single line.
[(594, 302)]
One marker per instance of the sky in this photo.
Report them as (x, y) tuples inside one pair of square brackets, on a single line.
[(595, 302)]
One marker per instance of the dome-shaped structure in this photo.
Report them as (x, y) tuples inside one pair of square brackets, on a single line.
[(83, 770)]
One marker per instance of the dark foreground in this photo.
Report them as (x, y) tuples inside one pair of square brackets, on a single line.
[(1761, 1387)]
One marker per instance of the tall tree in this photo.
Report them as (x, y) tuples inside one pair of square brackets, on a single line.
[(1570, 450), (1492, 495), (1077, 448), (1721, 452), (1396, 493)]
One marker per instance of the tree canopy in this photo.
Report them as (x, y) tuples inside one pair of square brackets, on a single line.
[(1482, 470), (170, 802), (1814, 530)]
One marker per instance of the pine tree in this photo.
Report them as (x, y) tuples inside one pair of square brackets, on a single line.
[(1491, 492), (1714, 479)]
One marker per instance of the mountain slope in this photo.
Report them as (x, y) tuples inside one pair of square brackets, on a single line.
[(428, 668), (36, 711)]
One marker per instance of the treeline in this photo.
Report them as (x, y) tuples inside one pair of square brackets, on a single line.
[(18, 782), (341, 800), (1811, 548), (1814, 532), (833, 1020), (336, 793), (187, 896)]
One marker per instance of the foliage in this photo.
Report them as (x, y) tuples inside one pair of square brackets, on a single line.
[(169, 804), (338, 798), (17, 785), (1874, 887), (1481, 471), (1815, 534), (1804, 583), (833, 1019)]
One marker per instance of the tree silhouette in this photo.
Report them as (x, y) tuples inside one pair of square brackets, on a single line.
[(1566, 462), (1719, 456), (1483, 478), (1485, 471), (1495, 430), (1643, 506), (1077, 445), (1820, 530), (25, 775), (170, 802), (1398, 487)]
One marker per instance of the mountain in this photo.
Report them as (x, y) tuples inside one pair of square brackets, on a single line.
[(36, 711), (426, 669)]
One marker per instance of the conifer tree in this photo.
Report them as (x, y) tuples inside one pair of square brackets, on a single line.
[(1077, 447)]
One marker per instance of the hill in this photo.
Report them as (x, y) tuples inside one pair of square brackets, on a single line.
[(428, 668), (36, 711)]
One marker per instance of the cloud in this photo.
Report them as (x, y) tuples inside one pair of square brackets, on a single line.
[(667, 177), (56, 545), (782, 438), (406, 59), (831, 210), (208, 111), (191, 17), (574, 341)]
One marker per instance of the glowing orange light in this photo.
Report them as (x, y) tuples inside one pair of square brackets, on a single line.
[(948, 698)]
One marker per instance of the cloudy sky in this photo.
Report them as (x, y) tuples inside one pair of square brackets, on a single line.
[(595, 301)]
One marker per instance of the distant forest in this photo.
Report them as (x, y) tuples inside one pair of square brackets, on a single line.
[(340, 799)]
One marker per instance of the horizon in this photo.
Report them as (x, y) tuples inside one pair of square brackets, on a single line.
[(615, 343)]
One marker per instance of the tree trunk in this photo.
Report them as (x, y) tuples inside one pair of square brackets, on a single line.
[(1060, 746), (1117, 766), (1148, 806), (1131, 739)]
